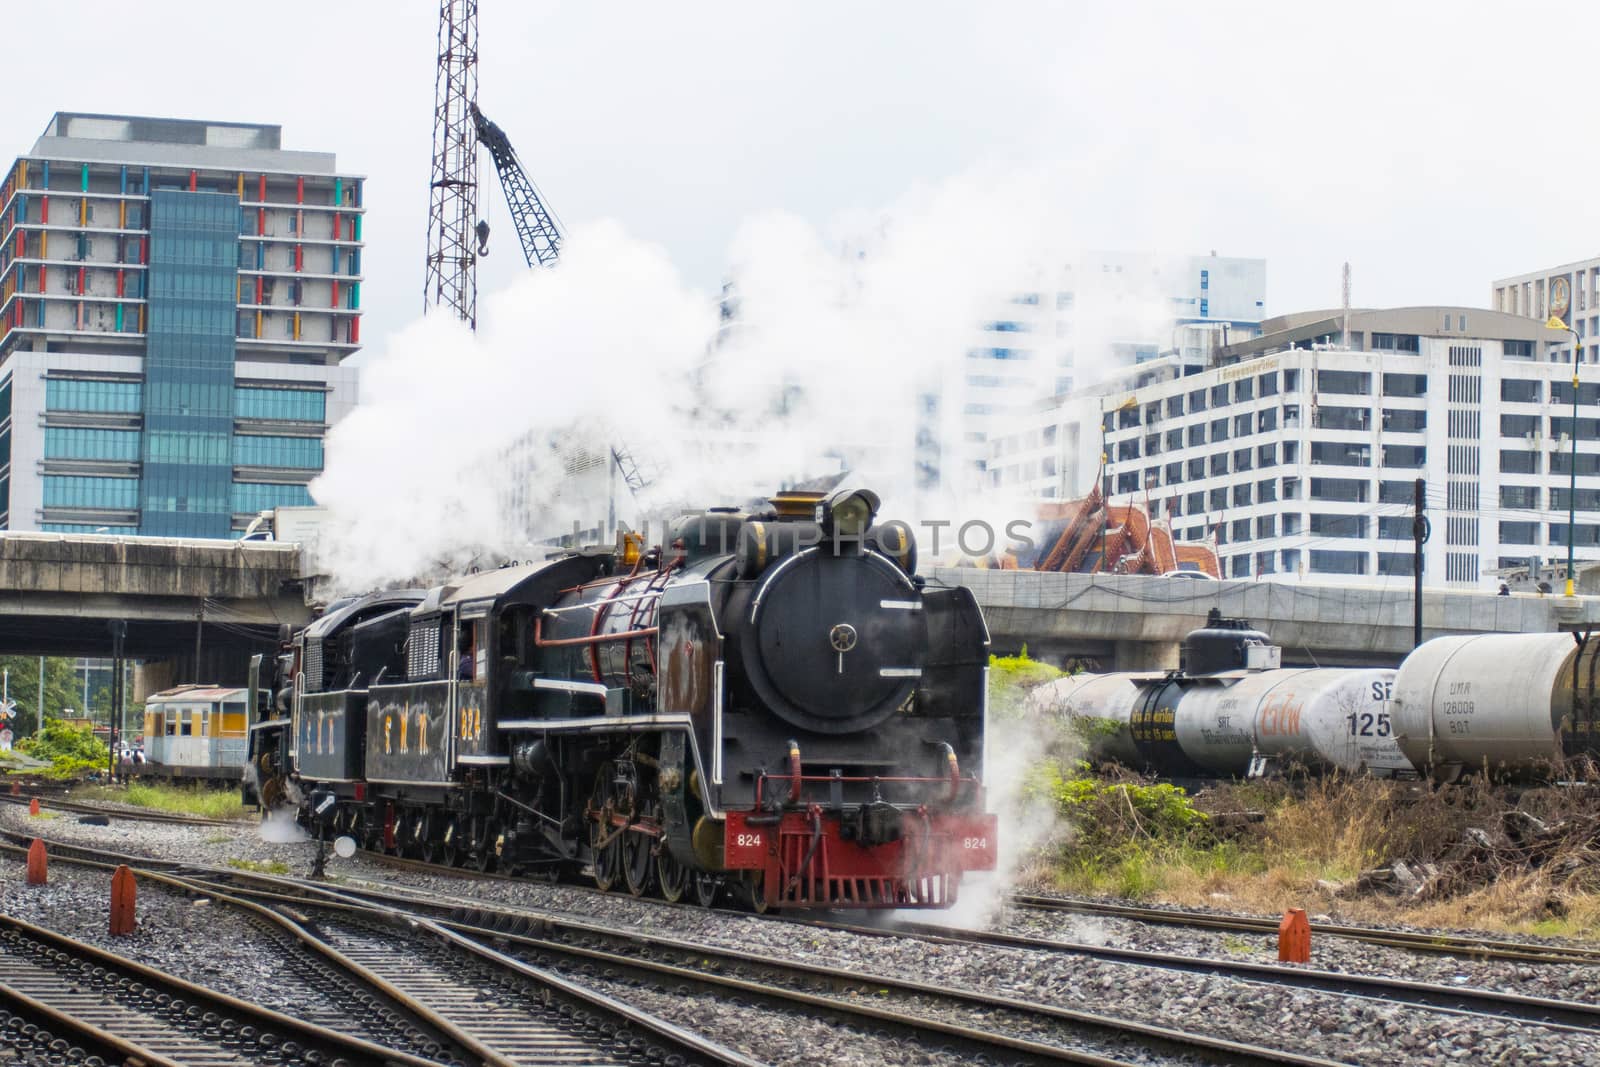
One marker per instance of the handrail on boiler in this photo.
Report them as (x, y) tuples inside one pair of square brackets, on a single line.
[(540, 641)]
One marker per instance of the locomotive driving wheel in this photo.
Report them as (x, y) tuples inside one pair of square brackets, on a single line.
[(706, 888), (408, 833), (754, 891), (605, 840), (359, 828), (452, 851), (484, 834), (638, 853), (672, 875), (430, 843)]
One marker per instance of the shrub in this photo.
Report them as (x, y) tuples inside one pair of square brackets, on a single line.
[(70, 749), (1110, 812), (1010, 680)]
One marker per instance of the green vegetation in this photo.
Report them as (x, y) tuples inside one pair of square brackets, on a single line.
[(1328, 844), (260, 866), (206, 803), (70, 750), (63, 689), (1010, 679)]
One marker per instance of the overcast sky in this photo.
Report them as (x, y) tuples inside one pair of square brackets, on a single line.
[(1434, 146)]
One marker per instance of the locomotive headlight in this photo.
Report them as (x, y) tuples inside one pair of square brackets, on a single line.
[(851, 514)]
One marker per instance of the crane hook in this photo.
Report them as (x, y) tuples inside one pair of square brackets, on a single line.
[(483, 237)]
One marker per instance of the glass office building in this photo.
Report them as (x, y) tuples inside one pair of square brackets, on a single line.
[(177, 300)]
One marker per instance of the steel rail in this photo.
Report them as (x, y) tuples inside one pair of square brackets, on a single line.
[(1475, 948), (1539, 1011), (1485, 948), (724, 971), (81, 807), (26, 1021), (170, 1016), (1481, 948), (568, 1005), (435, 1030)]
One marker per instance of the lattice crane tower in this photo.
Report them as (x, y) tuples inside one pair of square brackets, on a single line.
[(451, 280)]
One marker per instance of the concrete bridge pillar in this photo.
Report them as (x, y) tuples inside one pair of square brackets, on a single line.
[(1145, 656)]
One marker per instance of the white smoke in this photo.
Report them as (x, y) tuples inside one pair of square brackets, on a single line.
[(415, 474), (280, 828), (1028, 822), (837, 339)]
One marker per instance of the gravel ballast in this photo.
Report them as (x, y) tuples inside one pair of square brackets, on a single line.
[(1344, 1028)]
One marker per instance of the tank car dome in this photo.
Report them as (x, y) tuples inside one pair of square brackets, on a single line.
[(832, 643), (1221, 645)]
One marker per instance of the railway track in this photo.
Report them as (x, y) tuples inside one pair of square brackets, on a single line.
[(110, 1006), (582, 948), (362, 933), (1482, 948), (920, 1011), (1541, 1011), (79, 807), (1478, 948), (458, 1001)]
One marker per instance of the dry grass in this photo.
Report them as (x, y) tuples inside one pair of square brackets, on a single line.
[(1321, 834)]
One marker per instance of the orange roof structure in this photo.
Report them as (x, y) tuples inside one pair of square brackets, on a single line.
[(1085, 536)]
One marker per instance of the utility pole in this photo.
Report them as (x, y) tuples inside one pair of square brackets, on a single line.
[(38, 720), (119, 630), (1419, 534), (199, 621)]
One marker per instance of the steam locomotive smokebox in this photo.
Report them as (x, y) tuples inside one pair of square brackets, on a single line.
[(1228, 645)]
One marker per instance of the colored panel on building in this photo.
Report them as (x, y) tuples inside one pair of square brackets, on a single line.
[(188, 402)]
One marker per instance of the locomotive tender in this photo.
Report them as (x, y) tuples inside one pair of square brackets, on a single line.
[(771, 702)]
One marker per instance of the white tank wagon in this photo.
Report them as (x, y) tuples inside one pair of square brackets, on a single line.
[(1248, 719), (1320, 718), (1506, 704), (1328, 718), (1101, 705)]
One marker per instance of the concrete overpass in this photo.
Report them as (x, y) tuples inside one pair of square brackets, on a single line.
[(59, 591), (1135, 622)]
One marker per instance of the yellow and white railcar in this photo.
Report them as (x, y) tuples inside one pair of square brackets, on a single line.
[(195, 731)]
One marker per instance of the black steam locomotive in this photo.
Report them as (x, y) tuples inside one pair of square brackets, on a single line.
[(769, 702)]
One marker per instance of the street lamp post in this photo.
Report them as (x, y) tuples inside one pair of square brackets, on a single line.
[(1555, 323)]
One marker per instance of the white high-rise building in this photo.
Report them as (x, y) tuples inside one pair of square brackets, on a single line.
[(1570, 291), (1300, 452), (1086, 323)]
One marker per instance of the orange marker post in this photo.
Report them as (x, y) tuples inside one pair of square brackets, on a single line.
[(1294, 937), (33, 806), (16, 789), (123, 891), (36, 863)]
